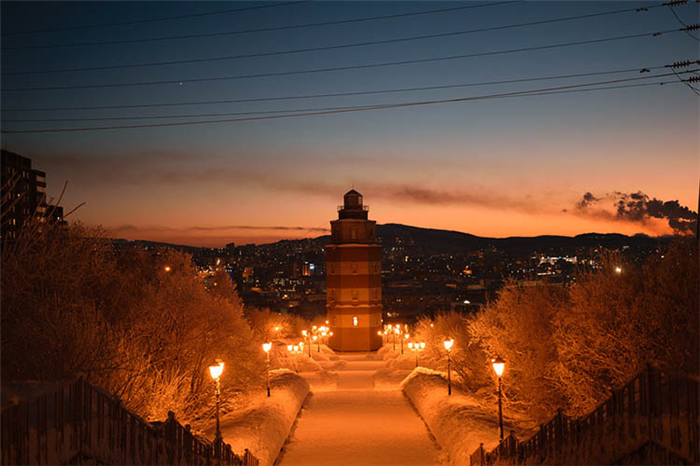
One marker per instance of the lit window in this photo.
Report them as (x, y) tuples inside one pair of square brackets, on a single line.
[(354, 321)]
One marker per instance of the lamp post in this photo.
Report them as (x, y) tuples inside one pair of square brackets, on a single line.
[(267, 347), (405, 337), (416, 347), (215, 370), (498, 366), (295, 350), (448, 346), (307, 337)]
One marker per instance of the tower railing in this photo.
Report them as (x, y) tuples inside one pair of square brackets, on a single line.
[(363, 207)]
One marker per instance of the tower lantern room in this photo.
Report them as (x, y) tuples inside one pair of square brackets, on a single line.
[(353, 278)]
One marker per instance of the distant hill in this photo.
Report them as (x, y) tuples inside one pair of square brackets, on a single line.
[(435, 241)]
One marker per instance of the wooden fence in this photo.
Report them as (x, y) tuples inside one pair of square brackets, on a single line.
[(653, 419), (82, 424)]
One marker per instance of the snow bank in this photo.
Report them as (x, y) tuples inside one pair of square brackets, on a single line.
[(458, 422), (264, 427)]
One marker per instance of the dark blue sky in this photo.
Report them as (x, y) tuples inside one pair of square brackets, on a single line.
[(550, 148)]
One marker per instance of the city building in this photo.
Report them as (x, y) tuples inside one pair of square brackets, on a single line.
[(23, 194), (353, 279)]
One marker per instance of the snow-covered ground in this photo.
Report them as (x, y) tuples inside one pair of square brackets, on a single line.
[(459, 422), (264, 427), (355, 424)]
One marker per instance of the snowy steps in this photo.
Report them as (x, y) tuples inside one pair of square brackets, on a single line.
[(354, 424)]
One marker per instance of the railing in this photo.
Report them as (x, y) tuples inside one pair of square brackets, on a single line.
[(353, 207), (80, 423), (652, 419)]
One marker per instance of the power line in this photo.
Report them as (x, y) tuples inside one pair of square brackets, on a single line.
[(345, 68), (670, 7), (299, 110), (151, 20), (343, 94), (330, 47), (251, 31), (330, 112)]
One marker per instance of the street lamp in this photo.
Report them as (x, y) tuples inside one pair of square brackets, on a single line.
[(267, 347), (396, 332), (315, 338), (215, 370), (416, 347), (498, 366), (295, 350), (405, 337), (307, 337), (448, 346)]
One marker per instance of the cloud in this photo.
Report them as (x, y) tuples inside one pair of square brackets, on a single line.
[(640, 208)]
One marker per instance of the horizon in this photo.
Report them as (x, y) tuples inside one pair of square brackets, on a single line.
[(408, 226)]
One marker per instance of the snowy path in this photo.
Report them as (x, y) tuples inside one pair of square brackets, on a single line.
[(356, 425)]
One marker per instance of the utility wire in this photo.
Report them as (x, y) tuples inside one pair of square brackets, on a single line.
[(330, 112), (299, 110), (251, 31), (330, 47), (267, 99), (152, 20), (345, 68), (670, 7)]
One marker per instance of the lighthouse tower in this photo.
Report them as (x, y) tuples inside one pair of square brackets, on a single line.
[(354, 279)]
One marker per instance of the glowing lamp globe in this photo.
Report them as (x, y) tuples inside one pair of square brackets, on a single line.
[(315, 337), (410, 345), (422, 345), (498, 365), (448, 344), (267, 347), (290, 348), (216, 370)]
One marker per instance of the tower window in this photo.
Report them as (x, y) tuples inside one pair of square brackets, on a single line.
[(354, 321)]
